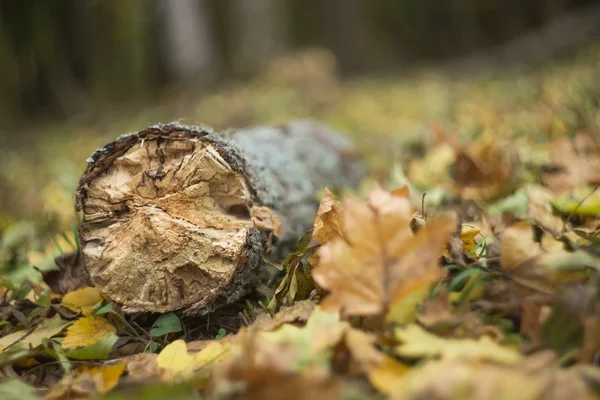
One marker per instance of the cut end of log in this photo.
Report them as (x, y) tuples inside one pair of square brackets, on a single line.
[(175, 217), (167, 224)]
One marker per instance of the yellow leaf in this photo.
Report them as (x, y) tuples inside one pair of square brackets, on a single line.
[(175, 360), (174, 357), (380, 262), (214, 351), (86, 331), (461, 379), (26, 339), (386, 375), (87, 382), (328, 222), (82, 300), (418, 343), (467, 236)]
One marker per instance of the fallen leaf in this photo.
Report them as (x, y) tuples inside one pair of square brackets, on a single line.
[(432, 169), (82, 300), (457, 379), (266, 220), (26, 340), (578, 162), (300, 311), (329, 219), (14, 389), (176, 362), (313, 342), (87, 331), (535, 270), (166, 323), (143, 366), (86, 382), (100, 350), (281, 364), (467, 235), (386, 376), (485, 168), (382, 262), (418, 343), (297, 283)]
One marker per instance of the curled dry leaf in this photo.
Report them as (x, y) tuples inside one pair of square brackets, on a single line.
[(381, 262), (535, 266), (266, 220), (300, 311), (329, 219)]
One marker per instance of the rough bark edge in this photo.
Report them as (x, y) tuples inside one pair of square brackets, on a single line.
[(104, 157)]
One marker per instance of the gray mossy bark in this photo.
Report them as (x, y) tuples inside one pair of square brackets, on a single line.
[(177, 217)]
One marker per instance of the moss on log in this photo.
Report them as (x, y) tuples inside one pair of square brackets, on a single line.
[(177, 217)]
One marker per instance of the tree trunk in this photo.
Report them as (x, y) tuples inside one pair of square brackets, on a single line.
[(177, 217), (188, 44), (259, 33)]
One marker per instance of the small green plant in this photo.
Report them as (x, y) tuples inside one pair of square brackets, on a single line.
[(221, 334)]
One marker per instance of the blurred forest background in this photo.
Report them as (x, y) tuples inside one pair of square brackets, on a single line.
[(76, 73)]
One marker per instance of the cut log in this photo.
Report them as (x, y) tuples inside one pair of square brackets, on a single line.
[(177, 217)]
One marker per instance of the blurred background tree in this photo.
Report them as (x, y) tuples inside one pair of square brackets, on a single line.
[(64, 57)]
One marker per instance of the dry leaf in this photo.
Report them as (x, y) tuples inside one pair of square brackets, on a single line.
[(176, 362), (143, 366), (266, 220), (517, 246), (578, 161), (386, 376), (382, 262), (25, 339), (418, 343), (82, 300), (458, 379), (86, 382), (484, 168), (300, 311), (329, 219), (87, 331)]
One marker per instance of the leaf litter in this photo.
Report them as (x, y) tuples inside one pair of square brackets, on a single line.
[(474, 274)]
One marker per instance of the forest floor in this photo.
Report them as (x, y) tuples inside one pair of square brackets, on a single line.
[(488, 288)]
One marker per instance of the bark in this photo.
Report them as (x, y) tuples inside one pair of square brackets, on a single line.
[(177, 217)]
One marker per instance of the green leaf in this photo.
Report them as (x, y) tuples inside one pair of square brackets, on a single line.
[(221, 334), (516, 204), (166, 323), (461, 278), (97, 351), (152, 348), (14, 389), (105, 309), (586, 209)]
